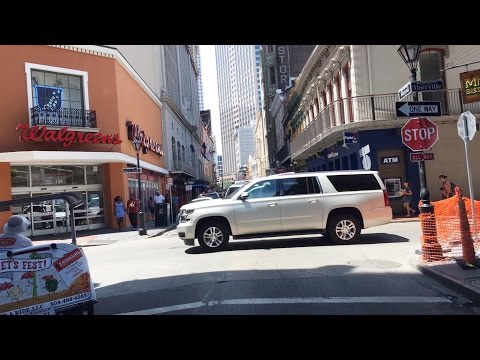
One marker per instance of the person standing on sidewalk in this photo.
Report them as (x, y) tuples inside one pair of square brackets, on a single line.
[(119, 211), (406, 193), (158, 199), (132, 209)]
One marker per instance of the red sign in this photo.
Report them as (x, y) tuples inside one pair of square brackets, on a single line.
[(147, 143), (421, 156), (419, 134), (65, 136)]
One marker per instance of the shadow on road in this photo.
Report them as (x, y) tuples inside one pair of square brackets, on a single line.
[(280, 291), (236, 245)]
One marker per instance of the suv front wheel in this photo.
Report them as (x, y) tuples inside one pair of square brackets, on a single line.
[(213, 235), (343, 229)]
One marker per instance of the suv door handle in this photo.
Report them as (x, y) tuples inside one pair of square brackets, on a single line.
[(312, 201), (272, 204)]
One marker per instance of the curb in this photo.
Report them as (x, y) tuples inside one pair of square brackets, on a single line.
[(163, 231), (449, 281)]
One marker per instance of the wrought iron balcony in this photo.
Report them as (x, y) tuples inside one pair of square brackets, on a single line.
[(184, 167), (80, 118), (368, 108)]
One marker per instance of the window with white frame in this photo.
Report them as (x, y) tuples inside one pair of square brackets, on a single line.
[(58, 96), (53, 91)]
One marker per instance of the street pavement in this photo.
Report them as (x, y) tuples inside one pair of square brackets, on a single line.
[(103, 236), (449, 273)]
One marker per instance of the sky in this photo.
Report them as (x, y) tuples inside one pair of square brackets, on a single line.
[(210, 91)]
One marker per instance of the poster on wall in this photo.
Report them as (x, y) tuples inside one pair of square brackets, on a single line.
[(470, 83)]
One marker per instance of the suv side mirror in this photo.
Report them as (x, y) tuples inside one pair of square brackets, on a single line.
[(244, 196)]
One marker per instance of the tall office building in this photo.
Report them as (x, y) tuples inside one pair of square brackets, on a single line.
[(237, 95), (244, 145), (219, 166), (199, 79), (258, 68)]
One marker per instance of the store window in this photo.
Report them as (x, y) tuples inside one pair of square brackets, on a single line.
[(58, 175), (94, 174), (20, 176)]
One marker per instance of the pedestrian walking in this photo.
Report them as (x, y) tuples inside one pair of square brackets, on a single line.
[(406, 194), (119, 211), (151, 208), (132, 209), (448, 187)]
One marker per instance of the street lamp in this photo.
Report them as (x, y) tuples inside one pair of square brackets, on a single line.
[(137, 144), (410, 54)]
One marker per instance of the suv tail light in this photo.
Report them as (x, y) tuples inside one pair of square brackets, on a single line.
[(385, 198)]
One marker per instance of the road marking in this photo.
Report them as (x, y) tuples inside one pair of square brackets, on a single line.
[(297, 300), (165, 309)]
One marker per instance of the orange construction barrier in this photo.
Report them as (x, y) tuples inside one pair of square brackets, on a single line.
[(451, 226)]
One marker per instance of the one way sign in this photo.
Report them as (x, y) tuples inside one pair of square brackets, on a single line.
[(418, 108)]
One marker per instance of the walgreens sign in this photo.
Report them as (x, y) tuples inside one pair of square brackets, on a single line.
[(133, 130), (65, 136)]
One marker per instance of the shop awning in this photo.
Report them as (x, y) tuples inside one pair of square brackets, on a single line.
[(73, 158)]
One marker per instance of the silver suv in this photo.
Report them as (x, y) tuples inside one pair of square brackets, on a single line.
[(337, 204)]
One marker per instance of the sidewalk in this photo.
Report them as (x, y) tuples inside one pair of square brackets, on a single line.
[(452, 274), (103, 236)]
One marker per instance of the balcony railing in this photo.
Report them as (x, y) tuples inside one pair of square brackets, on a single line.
[(371, 108), (182, 166), (64, 117)]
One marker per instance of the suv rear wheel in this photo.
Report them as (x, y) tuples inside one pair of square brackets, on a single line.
[(213, 235), (343, 229)]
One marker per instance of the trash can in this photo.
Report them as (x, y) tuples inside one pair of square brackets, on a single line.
[(161, 215)]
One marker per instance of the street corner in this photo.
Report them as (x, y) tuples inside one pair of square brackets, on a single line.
[(450, 274)]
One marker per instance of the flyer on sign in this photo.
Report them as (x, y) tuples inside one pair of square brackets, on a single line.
[(37, 282)]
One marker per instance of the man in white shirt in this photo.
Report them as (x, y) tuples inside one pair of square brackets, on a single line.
[(158, 198), (12, 237)]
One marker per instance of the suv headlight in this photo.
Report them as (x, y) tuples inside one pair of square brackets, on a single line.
[(184, 215)]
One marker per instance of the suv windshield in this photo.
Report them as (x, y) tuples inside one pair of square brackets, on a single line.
[(232, 190)]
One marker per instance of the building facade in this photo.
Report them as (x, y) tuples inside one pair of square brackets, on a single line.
[(261, 150), (172, 71), (244, 146), (200, 83), (71, 113), (281, 64), (219, 169), (237, 95), (258, 71), (342, 113)]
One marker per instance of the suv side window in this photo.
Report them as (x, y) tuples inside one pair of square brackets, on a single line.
[(294, 186), (354, 182), (313, 186), (263, 189)]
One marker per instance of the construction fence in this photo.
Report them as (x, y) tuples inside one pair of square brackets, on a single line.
[(451, 232)]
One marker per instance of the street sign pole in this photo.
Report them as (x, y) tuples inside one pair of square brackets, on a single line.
[(426, 207), (466, 139)]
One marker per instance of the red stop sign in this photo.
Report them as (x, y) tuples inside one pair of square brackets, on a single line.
[(419, 134)]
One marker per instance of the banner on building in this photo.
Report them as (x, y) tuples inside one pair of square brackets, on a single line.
[(48, 97), (350, 137), (470, 83)]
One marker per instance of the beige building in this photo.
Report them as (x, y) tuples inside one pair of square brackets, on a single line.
[(261, 151), (354, 89)]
